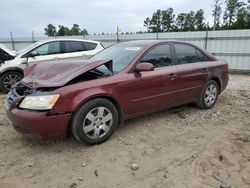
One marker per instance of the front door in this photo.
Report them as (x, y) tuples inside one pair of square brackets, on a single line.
[(46, 52), (152, 90)]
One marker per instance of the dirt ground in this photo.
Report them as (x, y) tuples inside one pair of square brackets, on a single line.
[(181, 147)]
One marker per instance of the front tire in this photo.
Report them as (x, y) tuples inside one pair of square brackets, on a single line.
[(209, 95), (8, 79), (95, 121)]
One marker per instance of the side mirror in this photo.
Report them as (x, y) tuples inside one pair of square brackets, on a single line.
[(141, 67), (33, 54)]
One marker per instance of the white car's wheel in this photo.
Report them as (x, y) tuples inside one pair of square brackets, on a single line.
[(8, 79)]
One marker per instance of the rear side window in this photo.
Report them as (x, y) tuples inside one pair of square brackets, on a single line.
[(188, 54), (159, 56), (73, 46), (89, 45)]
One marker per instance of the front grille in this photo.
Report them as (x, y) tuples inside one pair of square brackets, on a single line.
[(12, 95), (18, 91)]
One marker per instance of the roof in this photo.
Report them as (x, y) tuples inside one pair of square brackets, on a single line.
[(151, 42), (67, 39)]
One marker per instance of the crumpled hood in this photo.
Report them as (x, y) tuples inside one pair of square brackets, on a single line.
[(57, 74), (6, 54), (7, 50)]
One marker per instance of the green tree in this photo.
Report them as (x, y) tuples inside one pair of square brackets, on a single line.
[(156, 22), (248, 15), (168, 20), (164, 21), (85, 32), (217, 13), (75, 30), (190, 21), (50, 30), (147, 24), (232, 7), (241, 19), (61, 31), (181, 22), (199, 20)]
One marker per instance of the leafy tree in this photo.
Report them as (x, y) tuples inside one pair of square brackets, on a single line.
[(65, 31), (50, 30), (190, 21), (85, 32), (147, 24), (248, 15), (156, 22), (168, 20), (232, 7), (75, 30), (181, 22), (217, 13), (61, 31), (199, 20), (241, 19)]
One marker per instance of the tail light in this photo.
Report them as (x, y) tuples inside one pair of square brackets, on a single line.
[(226, 67)]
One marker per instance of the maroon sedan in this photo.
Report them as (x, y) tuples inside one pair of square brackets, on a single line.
[(91, 99)]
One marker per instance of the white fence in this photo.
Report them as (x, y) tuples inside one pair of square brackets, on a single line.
[(230, 45)]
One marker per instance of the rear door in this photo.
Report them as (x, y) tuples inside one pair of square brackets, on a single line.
[(78, 49), (91, 49), (152, 90), (73, 49), (191, 72)]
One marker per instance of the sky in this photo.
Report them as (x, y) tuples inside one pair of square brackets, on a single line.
[(21, 17)]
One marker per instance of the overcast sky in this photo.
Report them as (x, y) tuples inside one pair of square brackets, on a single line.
[(21, 17)]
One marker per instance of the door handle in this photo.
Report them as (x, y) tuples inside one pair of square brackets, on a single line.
[(172, 76), (205, 70), (56, 58)]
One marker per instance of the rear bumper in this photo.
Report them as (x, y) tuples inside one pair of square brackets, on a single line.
[(38, 125), (225, 79)]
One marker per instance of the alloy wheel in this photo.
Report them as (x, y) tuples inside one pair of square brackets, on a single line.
[(11, 80), (210, 95), (97, 122)]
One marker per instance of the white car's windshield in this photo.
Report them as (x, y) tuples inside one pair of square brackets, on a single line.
[(25, 49), (121, 55)]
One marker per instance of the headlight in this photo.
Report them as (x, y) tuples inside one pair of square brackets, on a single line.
[(41, 102)]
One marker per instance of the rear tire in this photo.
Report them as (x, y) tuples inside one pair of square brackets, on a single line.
[(8, 79), (95, 121), (209, 95)]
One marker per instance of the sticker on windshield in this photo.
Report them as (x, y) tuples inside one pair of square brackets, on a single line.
[(132, 48)]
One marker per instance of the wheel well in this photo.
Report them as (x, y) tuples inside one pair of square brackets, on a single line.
[(118, 107), (13, 70), (218, 82)]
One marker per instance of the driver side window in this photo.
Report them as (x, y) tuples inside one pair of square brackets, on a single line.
[(48, 48), (159, 56)]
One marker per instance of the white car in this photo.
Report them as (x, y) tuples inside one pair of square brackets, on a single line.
[(12, 63)]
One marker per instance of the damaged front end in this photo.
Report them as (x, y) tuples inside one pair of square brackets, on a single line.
[(6, 54), (20, 90), (43, 78)]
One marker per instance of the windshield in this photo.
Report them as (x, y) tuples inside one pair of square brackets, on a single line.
[(121, 55), (25, 49)]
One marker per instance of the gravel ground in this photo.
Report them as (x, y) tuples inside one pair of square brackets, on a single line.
[(180, 147)]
